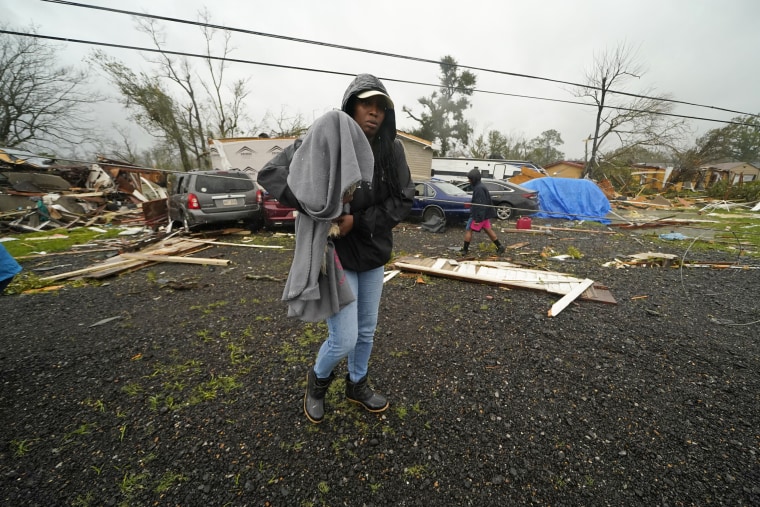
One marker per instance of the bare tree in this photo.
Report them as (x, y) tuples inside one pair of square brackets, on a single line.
[(203, 108), (42, 105), (124, 150), (286, 125), (227, 109), (633, 120)]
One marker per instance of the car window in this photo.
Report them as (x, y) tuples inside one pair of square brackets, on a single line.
[(495, 186), (450, 188), (223, 183), (179, 185)]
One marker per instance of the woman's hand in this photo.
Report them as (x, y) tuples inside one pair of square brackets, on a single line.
[(345, 223)]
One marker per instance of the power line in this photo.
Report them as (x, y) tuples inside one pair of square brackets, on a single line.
[(383, 53), (349, 74)]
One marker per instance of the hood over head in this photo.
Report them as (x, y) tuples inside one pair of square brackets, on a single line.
[(474, 176), (360, 86)]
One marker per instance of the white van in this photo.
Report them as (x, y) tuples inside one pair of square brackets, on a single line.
[(457, 168)]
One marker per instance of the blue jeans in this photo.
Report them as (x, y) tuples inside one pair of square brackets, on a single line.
[(352, 330)]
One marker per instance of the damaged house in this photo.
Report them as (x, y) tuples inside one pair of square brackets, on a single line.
[(735, 173), (38, 193)]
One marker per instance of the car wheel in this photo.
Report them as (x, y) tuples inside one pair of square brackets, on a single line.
[(504, 211), (432, 211), (255, 224)]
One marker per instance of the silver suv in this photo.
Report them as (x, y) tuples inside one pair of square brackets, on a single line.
[(211, 197)]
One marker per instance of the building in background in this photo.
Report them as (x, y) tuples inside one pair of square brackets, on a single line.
[(733, 172), (249, 154), (565, 169), (419, 155)]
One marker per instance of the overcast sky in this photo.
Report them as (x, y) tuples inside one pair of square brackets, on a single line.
[(699, 51)]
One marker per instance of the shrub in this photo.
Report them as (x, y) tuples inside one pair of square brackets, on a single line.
[(746, 192)]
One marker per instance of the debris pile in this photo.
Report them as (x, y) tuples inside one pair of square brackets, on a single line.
[(38, 194)]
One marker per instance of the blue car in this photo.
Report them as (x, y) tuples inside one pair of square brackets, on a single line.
[(437, 198)]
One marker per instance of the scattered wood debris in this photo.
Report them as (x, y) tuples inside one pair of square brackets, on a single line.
[(37, 194), (268, 278), (665, 260), (170, 250), (510, 275)]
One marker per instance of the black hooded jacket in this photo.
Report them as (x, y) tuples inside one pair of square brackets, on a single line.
[(482, 206), (376, 209)]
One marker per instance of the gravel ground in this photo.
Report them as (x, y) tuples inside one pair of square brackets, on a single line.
[(191, 394)]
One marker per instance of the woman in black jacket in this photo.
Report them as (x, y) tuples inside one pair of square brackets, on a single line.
[(363, 247)]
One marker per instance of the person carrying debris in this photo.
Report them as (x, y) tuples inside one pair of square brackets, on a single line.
[(481, 212), (8, 268), (364, 241)]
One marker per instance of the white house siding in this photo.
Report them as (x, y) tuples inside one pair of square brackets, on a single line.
[(250, 154)]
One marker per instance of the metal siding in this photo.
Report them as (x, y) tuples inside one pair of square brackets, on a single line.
[(419, 158)]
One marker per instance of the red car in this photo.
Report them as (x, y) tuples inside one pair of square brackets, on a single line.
[(275, 214)]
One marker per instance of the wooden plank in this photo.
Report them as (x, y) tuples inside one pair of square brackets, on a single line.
[(569, 297), (83, 271), (208, 242), (542, 229), (135, 265), (175, 258), (389, 275), (505, 274), (120, 263)]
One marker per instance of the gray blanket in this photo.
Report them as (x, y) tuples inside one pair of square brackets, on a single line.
[(334, 157)]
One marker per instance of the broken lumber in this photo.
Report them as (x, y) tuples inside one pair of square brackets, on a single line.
[(175, 258), (222, 243), (569, 297), (83, 271), (504, 274)]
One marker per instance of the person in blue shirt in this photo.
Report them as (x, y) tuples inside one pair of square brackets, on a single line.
[(8, 268)]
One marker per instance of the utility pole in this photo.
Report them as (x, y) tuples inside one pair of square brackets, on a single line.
[(585, 146)]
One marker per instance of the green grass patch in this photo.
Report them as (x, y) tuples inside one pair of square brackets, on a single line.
[(56, 240), (20, 447), (732, 231), (574, 252), (416, 471), (168, 480)]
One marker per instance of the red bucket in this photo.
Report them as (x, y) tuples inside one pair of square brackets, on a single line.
[(523, 223)]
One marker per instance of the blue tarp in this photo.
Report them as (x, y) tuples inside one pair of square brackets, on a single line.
[(570, 198)]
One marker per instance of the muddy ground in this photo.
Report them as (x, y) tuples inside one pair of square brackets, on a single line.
[(191, 393)]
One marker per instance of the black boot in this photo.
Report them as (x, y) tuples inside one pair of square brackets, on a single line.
[(361, 393), (314, 399)]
